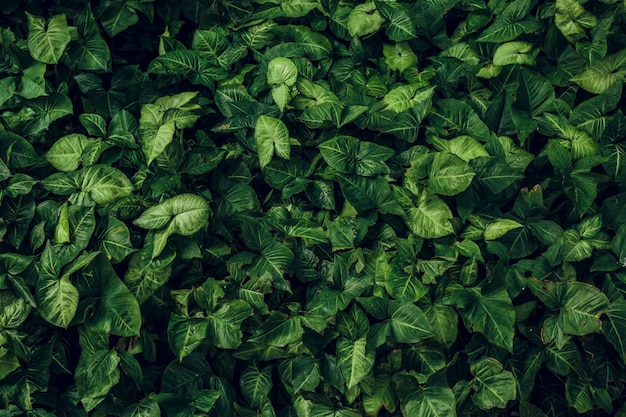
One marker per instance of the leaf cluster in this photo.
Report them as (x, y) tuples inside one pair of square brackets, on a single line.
[(312, 208)]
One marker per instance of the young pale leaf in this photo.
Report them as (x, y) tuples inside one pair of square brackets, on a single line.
[(572, 19), (364, 19), (405, 97), (449, 175), (66, 152), (399, 56), (431, 218), (282, 71), (47, 40), (512, 53), (186, 214), (271, 137), (57, 300), (499, 228), (354, 361)]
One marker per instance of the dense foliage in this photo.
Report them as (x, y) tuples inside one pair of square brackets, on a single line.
[(312, 208)]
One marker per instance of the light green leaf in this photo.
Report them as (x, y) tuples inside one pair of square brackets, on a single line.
[(364, 19), (282, 71), (353, 360), (153, 134), (47, 40), (512, 53), (186, 214), (572, 19), (271, 137), (405, 97), (449, 175), (581, 307), (431, 218), (399, 56), (65, 153), (57, 300), (500, 227), (605, 73)]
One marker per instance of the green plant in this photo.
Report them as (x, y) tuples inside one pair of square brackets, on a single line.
[(312, 208)]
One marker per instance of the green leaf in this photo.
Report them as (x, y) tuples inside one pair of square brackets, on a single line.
[(405, 97), (353, 360), (572, 19), (117, 310), (399, 56), (409, 324), (511, 53), (449, 175), (494, 386), (103, 184), (57, 300), (113, 239), (256, 384), (96, 374), (499, 228), (185, 334), (349, 155), (47, 40), (184, 214), (604, 74), (614, 328), (225, 324), (493, 315), (278, 330), (65, 154), (117, 17), (272, 137), (91, 52), (579, 394), (382, 394), (364, 19), (431, 218), (282, 71), (435, 399)]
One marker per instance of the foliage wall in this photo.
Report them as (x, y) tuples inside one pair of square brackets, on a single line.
[(312, 208)]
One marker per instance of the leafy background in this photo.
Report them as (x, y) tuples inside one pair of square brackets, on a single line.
[(312, 208)]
